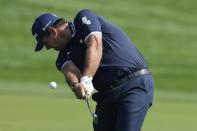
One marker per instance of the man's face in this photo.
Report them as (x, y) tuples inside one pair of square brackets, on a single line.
[(58, 37)]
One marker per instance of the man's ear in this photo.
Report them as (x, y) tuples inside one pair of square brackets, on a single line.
[(52, 32)]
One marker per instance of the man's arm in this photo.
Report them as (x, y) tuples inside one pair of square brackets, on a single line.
[(92, 60), (72, 75), (93, 54)]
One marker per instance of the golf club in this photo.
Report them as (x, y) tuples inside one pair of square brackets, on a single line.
[(94, 116)]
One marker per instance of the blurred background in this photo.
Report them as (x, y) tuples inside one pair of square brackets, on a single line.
[(164, 31)]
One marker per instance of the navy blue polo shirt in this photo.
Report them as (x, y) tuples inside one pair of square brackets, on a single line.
[(119, 53)]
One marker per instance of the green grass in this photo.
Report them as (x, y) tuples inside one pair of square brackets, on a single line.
[(32, 106), (30, 113)]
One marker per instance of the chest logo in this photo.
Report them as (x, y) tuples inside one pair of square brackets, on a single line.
[(86, 21), (81, 41), (68, 54)]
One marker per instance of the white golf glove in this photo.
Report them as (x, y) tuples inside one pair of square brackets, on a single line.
[(87, 82)]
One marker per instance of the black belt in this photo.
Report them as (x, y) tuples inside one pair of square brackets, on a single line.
[(129, 77)]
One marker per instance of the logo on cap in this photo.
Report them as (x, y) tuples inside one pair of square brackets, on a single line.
[(44, 28)]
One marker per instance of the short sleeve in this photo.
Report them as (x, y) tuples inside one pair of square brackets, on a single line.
[(62, 59), (87, 23)]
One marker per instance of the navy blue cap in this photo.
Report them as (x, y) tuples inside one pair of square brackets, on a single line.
[(40, 26)]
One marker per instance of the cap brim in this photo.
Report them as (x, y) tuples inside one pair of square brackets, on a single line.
[(39, 47)]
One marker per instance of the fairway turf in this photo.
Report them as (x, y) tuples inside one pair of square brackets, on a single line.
[(35, 107), (164, 31)]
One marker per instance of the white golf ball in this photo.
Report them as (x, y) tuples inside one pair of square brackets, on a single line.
[(53, 85)]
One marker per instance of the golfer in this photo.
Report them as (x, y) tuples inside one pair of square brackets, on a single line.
[(96, 54)]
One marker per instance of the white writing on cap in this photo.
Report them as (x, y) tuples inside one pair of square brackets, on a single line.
[(44, 28)]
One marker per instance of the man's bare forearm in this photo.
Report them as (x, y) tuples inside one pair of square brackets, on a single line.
[(71, 73), (71, 79), (93, 55)]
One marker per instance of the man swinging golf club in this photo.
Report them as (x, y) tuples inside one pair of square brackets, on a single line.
[(95, 54)]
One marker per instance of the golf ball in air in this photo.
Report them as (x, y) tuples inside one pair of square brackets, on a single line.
[(53, 85)]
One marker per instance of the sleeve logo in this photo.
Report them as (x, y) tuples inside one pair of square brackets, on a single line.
[(86, 21)]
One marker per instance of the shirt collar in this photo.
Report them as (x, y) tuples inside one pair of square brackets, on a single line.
[(72, 29)]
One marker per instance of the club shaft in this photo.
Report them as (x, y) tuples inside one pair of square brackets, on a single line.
[(94, 116), (88, 105)]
